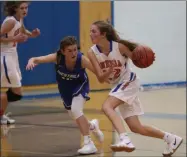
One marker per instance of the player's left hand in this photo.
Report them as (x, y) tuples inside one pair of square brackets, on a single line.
[(35, 32), (31, 64)]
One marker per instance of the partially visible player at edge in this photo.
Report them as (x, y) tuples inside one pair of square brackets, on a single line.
[(110, 56), (12, 33)]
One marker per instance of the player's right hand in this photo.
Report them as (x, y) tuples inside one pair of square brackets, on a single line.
[(20, 38), (30, 64)]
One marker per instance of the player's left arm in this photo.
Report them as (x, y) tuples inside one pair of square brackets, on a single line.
[(34, 61), (124, 50), (87, 64), (33, 34)]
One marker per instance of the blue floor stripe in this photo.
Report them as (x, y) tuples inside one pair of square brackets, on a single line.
[(179, 83), (146, 86)]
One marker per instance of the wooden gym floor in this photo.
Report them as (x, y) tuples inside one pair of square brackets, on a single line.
[(43, 127)]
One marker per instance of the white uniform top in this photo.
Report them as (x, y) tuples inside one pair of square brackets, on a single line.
[(122, 71), (11, 47)]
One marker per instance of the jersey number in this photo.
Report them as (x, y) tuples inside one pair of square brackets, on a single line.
[(116, 73)]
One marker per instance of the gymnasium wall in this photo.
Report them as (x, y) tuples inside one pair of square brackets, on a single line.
[(162, 26), (55, 20), (90, 12)]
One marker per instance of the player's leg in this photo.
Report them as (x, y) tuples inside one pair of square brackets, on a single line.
[(12, 95), (10, 77), (131, 117), (4, 83), (108, 107), (83, 124), (122, 92), (4, 103)]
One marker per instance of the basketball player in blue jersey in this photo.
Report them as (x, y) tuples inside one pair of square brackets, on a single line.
[(110, 58), (73, 85), (12, 33)]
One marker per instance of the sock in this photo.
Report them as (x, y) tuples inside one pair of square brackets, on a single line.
[(87, 139), (124, 136), (168, 137)]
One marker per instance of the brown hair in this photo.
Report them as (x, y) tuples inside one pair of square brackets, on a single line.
[(11, 6), (65, 42), (111, 34)]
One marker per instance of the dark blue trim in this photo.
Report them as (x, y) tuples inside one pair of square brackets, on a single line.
[(6, 70), (132, 74), (51, 95), (98, 48), (117, 87), (112, 12), (111, 46)]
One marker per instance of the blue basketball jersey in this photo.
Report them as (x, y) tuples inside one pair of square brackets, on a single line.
[(72, 83)]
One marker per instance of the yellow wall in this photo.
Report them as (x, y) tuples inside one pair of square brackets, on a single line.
[(90, 12)]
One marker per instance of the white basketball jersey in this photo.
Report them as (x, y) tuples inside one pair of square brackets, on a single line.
[(121, 70), (11, 47)]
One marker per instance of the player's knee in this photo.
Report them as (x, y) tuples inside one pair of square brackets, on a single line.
[(11, 96), (76, 113), (106, 108), (134, 129)]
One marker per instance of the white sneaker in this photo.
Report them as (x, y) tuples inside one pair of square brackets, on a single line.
[(96, 131), (172, 146), (6, 120), (88, 148), (123, 146)]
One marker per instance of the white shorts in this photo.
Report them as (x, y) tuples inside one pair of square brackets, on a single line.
[(127, 91), (135, 109), (10, 71)]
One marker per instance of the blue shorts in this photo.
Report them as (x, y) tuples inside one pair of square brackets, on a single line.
[(68, 95)]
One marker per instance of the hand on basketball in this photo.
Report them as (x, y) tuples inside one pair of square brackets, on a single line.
[(35, 32), (20, 38), (31, 64)]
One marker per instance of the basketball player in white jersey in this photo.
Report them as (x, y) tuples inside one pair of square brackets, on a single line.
[(12, 32), (110, 57)]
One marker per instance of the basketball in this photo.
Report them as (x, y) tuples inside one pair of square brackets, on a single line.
[(143, 56)]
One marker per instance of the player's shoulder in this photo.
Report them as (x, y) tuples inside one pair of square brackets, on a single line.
[(94, 50), (9, 18)]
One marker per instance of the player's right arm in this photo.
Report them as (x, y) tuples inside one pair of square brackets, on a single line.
[(101, 76), (51, 58), (7, 27)]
